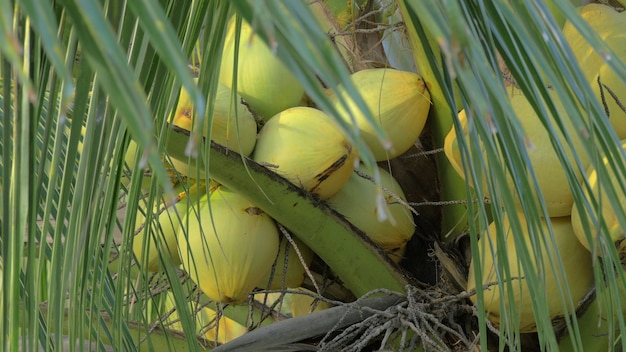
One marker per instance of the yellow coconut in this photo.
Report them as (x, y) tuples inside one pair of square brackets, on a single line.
[(451, 146), (229, 246), (305, 303), (305, 146), (222, 330), (357, 201), (233, 126), (610, 26), (130, 158), (169, 312), (292, 273), (605, 210), (577, 269), (262, 79), (399, 102), (551, 176), (203, 318), (157, 238)]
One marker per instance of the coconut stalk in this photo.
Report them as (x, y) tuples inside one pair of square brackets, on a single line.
[(445, 105)]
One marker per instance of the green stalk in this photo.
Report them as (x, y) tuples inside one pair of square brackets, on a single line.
[(445, 105)]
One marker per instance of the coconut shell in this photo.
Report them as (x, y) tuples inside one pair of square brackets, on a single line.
[(305, 146), (229, 246), (400, 104)]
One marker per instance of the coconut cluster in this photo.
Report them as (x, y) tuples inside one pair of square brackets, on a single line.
[(228, 245), (561, 234)]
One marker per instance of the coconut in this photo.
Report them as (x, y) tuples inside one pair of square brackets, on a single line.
[(609, 24), (551, 177), (357, 202), (229, 246), (305, 146), (130, 159), (157, 238), (305, 303), (576, 262), (399, 103), (262, 79), (221, 330), (233, 126), (605, 210), (292, 273)]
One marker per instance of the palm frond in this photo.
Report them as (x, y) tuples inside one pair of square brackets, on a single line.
[(80, 79)]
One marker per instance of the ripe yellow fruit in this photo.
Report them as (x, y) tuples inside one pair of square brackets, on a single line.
[(305, 146), (357, 201), (233, 126), (302, 304), (219, 330), (130, 158), (294, 273), (610, 25), (606, 211), (157, 238), (262, 79), (576, 261), (228, 247), (551, 176), (399, 102), (222, 330)]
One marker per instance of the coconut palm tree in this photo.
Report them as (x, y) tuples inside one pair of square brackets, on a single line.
[(84, 82)]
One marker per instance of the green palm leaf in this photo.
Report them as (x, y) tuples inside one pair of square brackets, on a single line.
[(81, 78)]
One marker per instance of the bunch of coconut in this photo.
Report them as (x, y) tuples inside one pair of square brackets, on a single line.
[(597, 226), (227, 244), (504, 283), (567, 240), (609, 89), (289, 143)]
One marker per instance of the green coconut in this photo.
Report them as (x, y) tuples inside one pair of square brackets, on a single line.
[(262, 79)]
